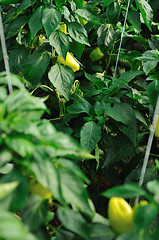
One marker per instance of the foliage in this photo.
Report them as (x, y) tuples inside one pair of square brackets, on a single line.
[(77, 132)]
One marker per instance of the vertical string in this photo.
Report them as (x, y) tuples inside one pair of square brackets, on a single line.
[(121, 40), (5, 55), (148, 147)]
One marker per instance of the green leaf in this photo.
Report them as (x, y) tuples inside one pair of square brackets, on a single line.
[(134, 19), (10, 227), (35, 22), (101, 232), (24, 5), (153, 187), (17, 58), (79, 107), (90, 135), (74, 222), (107, 2), (77, 48), (119, 148), (125, 78), (60, 41), (152, 92), (123, 113), (62, 77), (35, 67), (15, 26), (146, 12), (34, 212), (85, 14), (7, 188), (145, 215), (51, 19), (113, 12), (125, 191), (9, 1), (106, 35), (78, 33), (150, 59)]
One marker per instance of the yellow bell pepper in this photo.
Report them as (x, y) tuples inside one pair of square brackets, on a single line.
[(36, 188), (141, 203), (120, 215), (63, 27), (70, 61), (96, 54), (157, 126)]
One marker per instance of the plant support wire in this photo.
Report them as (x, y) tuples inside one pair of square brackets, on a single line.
[(5, 56), (121, 40)]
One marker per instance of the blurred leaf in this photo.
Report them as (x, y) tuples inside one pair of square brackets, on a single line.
[(101, 232), (125, 191), (51, 19), (64, 235), (11, 228), (35, 66), (34, 212), (153, 187), (7, 188), (35, 22), (78, 33), (74, 222), (90, 135), (60, 41), (62, 78), (107, 2)]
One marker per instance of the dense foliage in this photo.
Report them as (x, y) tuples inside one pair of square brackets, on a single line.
[(74, 129)]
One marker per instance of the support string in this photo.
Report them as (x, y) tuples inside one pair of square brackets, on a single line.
[(5, 55), (121, 40)]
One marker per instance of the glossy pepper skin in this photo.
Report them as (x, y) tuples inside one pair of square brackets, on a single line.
[(96, 54), (70, 61), (157, 126), (120, 215)]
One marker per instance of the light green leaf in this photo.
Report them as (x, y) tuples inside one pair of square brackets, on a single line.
[(7, 188), (90, 135), (146, 12), (60, 41), (78, 33), (62, 77), (51, 19), (125, 191)]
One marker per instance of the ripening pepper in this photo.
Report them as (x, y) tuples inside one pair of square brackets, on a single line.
[(120, 215), (63, 27), (96, 54), (157, 126), (70, 61)]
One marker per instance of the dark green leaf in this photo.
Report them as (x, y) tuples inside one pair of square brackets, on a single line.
[(15, 26), (35, 67), (106, 35), (62, 78), (60, 41), (51, 19), (107, 2), (85, 14), (24, 5), (35, 22), (113, 12), (90, 135), (152, 92), (79, 107), (78, 33), (134, 19), (8, 1)]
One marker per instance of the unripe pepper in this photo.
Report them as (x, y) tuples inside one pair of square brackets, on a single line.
[(96, 54), (120, 215), (70, 61)]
